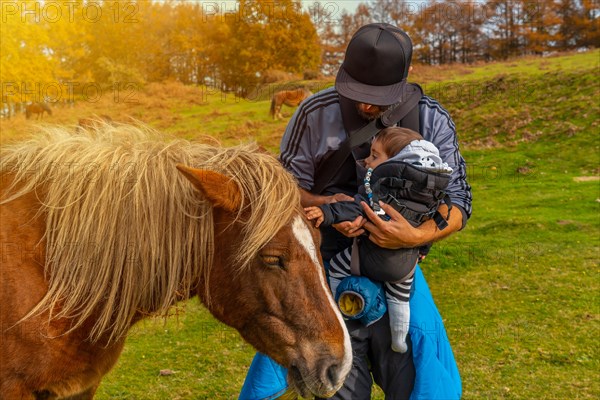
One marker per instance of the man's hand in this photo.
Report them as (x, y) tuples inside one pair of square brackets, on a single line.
[(393, 234), (351, 229), (399, 233)]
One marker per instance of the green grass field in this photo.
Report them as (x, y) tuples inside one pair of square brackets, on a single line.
[(518, 288)]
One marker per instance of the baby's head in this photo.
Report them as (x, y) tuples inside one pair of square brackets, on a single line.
[(388, 143)]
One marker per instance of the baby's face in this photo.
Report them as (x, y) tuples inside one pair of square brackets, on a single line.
[(377, 155)]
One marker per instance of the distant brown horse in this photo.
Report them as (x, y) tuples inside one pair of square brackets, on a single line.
[(290, 98), (107, 229), (37, 108)]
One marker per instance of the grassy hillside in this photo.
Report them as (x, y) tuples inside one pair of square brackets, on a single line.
[(518, 288)]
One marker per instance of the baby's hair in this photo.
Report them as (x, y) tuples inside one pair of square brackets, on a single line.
[(393, 139)]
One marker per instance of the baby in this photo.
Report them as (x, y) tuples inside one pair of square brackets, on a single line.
[(405, 171)]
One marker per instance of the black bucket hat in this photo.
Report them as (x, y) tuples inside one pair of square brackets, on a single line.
[(376, 65)]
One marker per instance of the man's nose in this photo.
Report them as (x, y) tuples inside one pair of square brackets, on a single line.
[(365, 107)]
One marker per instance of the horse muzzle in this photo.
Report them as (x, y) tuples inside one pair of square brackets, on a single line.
[(326, 379)]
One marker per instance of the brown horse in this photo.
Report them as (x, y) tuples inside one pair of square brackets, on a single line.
[(99, 231), (290, 98), (37, 108)]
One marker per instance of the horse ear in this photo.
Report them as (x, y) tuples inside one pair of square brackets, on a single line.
[(222, 191)]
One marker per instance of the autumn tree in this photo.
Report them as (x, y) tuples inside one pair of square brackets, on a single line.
[(541, 27), (25, 62), (587, 24), (116, 48), (266, 35), (65, 43), (156, 23), (395, 12), (444, 32), (324, 17)]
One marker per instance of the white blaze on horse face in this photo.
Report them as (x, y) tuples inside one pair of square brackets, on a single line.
[(302, 233)]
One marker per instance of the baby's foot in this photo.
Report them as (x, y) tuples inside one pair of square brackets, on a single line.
[(399, 321)]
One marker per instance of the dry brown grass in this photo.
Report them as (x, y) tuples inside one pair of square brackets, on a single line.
[(154, 104), (436, 73)]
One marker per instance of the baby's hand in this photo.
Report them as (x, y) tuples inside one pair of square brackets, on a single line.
[(314, 213)]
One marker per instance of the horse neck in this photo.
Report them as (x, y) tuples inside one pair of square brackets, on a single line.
[(220, 266)]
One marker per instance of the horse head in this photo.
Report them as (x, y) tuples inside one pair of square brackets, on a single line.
[(279, 302)]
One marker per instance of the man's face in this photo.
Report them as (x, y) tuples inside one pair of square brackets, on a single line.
[(370, 112)]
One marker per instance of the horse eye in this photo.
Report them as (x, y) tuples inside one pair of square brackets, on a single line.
[(273, 261)]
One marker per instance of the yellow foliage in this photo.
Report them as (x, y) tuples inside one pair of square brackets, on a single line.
[(69, 44)]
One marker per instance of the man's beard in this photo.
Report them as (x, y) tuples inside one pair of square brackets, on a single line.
[(372, 116)]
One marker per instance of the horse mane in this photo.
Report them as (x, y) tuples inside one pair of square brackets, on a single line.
[(126, 233)]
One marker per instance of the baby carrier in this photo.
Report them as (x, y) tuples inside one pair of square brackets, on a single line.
[(414, 192)]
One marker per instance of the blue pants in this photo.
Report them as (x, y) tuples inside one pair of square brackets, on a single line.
[(434, 371)]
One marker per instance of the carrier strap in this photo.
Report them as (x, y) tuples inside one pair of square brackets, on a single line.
[(440, 221), (354, 259)]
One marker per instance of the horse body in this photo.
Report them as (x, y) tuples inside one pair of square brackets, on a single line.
[(272, 290), (66, 364), (290, 98), (37, 108)]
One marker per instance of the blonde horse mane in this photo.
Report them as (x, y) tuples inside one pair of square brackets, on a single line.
[(125, 232)]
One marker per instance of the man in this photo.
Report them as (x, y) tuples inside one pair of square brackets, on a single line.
[(373, 79)]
